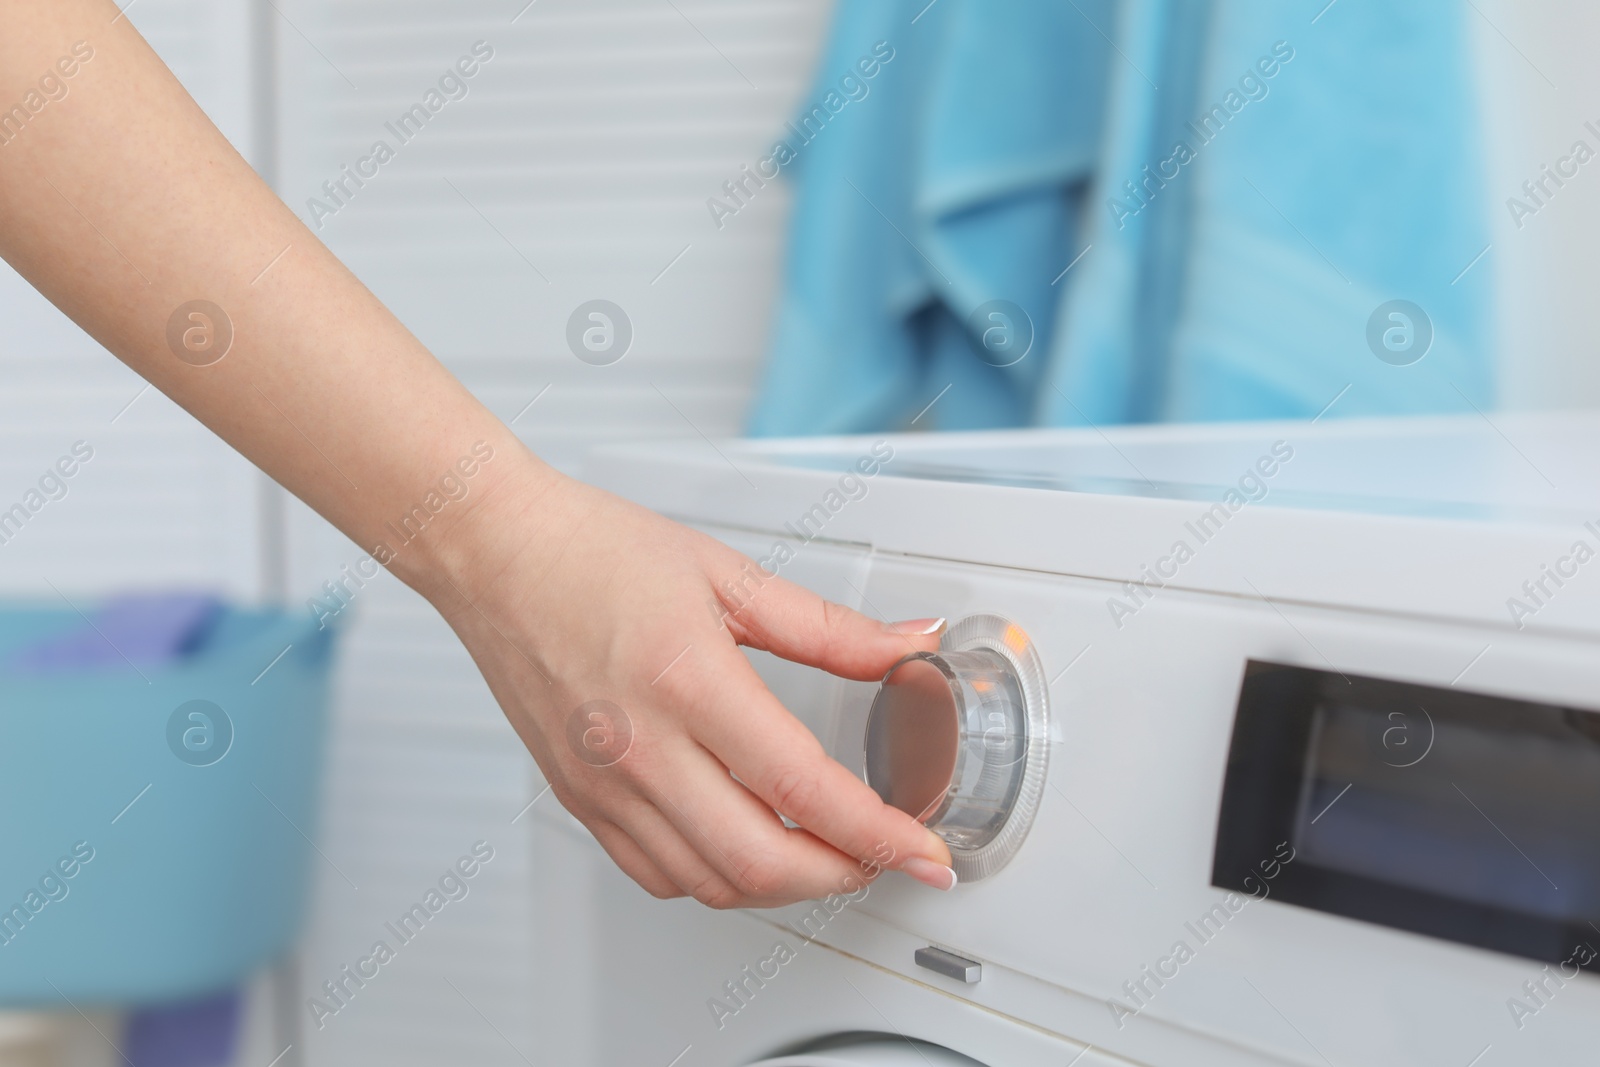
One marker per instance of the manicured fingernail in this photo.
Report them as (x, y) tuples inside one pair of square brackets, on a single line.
[(930, 873), (917, 627)]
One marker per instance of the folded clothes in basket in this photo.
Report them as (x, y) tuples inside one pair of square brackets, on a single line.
[(145, 629), (194, 1033)]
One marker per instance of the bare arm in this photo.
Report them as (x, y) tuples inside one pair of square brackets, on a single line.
[(124, 205)]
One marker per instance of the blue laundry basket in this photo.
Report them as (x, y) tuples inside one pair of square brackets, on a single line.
[(187, 871)]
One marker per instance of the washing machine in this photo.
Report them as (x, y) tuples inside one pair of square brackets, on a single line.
[(1255, 744)]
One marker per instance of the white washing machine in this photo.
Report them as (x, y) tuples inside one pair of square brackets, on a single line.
[(1256, 744)]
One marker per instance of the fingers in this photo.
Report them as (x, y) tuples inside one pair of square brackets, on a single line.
[(675, 856), (633, 861), (619, 811), (766, 863), (795, 623), (779, 761), (704, 835)]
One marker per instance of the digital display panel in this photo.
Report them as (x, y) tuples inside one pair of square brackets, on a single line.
[(1454, 814)]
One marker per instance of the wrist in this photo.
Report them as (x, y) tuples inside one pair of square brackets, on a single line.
[(464, 528)]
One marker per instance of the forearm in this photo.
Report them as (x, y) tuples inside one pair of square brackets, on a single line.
[(121, 202)]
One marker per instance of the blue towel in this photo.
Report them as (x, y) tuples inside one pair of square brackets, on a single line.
[(957, 181), (1349, 177), (1330, 167)]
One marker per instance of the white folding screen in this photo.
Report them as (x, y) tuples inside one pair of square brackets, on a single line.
[(573, 164), (576, 166)]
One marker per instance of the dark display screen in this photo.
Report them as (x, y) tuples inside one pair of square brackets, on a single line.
[(1454, 814)]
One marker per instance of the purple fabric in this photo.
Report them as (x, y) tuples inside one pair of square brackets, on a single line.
[(196, 1033), (150, 629)]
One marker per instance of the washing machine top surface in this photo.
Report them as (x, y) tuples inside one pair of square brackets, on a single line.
[(1439, 516), (1440, 468)]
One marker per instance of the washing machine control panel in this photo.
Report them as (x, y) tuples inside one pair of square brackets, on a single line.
[(958, 739)]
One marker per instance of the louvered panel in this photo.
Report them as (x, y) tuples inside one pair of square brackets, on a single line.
[(161, 501), (422, 765), (584, 153)]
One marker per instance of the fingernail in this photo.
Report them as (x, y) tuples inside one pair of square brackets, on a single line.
[(917, 627), (930, 873)]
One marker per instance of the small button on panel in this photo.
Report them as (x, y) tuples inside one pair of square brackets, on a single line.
[(947, 963)]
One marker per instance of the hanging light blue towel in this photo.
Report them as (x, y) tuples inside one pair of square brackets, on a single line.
[(956, 182), (1328, 166), (1331, 167)]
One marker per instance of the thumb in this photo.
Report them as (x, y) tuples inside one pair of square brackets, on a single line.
[(796, 624)]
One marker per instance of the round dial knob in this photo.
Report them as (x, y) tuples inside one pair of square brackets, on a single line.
[(957, 739)]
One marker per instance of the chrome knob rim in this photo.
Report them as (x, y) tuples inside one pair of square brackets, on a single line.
[(959, 739)]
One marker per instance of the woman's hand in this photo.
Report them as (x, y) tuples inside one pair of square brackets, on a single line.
[(127, 208), (566, 595)]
